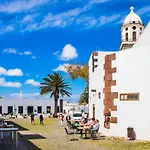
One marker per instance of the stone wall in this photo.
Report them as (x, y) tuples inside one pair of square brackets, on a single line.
[(109, 96)]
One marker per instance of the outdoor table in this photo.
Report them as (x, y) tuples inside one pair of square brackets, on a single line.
[(10, 130), (83, 128), (6, 126)]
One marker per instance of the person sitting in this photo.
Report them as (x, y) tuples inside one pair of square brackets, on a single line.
[(89, 122), (93, 121), (95, 127), (82, 123)]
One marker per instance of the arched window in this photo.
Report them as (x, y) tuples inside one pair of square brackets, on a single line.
[(134, 36), (126, 36)]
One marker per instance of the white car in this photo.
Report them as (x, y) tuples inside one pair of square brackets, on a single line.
[(76, 116)]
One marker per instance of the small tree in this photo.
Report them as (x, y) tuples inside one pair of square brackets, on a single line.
[(80, 71)]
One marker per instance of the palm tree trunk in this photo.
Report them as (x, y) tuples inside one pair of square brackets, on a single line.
[(56, 104)]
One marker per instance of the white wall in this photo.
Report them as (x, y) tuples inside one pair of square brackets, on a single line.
[(133, 75), (26, 102), (96, 82)]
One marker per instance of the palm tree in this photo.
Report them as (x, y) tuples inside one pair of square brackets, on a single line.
[(55, 85)]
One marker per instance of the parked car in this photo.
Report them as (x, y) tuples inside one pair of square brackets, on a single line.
[(76, 116)]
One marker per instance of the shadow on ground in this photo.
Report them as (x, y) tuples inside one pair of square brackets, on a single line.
[(25, 136), (17, 126)]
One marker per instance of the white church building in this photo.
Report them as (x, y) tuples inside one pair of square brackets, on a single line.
[(119, 83)]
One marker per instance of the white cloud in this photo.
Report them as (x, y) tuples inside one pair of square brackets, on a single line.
[(14, 51), (27, 53), (144, 10), (37, 75), (29, 18), (50, 20), (33, 57), (89, 22), (4, 83), (25, 95), (62, 19), (32, 82), (61, 68), (108, 19), (33, 22), (14, 72), (57, 52), (10, 50), (69, 52), (6, 29), (20, 5), (2, 70), (11, 72)]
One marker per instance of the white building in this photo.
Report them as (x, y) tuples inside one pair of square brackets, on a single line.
[(119, 83), (74, 107), (26, 106)]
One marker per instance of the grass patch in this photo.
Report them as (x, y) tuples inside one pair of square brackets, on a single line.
[(56, 139)]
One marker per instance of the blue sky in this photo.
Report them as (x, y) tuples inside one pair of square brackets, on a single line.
[(38, 37)]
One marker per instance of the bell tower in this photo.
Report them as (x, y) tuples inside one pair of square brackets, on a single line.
[(131, 30)]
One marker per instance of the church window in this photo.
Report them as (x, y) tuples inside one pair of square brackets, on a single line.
[(140, 28), (129, 97), (126, 36), (133, 21), (99, 95), (134, 27), (134, 36), (126, 29)]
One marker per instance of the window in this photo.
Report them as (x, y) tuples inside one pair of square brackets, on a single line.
[(126, 36), (29, 109), (39, 109), (93, 110), (10, 109), (20, 109), (77, 115), (134, 36), (99, 95), (140, 28), (126, 29), (48, 109), (129, 97), (133, 21), (93, 62), (134, 27)]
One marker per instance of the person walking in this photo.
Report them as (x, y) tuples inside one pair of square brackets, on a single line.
[(41, 119), (32, 118), (62, 120)]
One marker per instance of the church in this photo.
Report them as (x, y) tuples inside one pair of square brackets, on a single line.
[(119, 83)]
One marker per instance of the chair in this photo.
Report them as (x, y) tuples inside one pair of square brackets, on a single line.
[(94, 134), (71, 127), (70, 135)]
